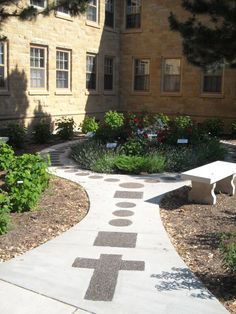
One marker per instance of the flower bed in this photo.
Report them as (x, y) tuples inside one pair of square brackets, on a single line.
[(136, 144)]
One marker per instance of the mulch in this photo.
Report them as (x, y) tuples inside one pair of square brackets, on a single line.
[(195, 230), (61, 206)]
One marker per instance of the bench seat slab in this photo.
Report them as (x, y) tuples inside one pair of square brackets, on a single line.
[(226, 186), (203, 193)]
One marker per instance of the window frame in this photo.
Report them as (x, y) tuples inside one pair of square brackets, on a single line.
[(109, 91), (163, 75), (97, 6), (126, 14), (213, 93), (38, 6), (69, 71), (5, 65), (45, 88), (113, 26), (141, 91), (88, 90)]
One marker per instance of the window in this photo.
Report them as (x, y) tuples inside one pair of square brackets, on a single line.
[(3, 66), (92, 11), (171, 80), (212, 81), (91, 71), (133, 14), (141, 75), (38, 67), (108, 73), (38, 3), (109, 13), (63, 69), (61, 9)]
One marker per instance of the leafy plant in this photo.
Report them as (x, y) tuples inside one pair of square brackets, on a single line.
[(87, 153), (42, 132), (134, 147), (114, 120), (213, 126), (17, 134), (89, 125), (5, 208), (7, 156), (105, 164), (65, 128), (26, 180), (154, 163), (130, 164), (163, 118), (183, 122), (228, 250)]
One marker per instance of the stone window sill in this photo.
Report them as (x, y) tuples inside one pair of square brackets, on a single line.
[(92, 24), (63, 16), (38, 92)]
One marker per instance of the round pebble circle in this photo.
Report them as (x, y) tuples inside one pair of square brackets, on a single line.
[(120, 222), (123, 213), (82, 174), (111, 180), (95, 177), (131, 185), (125, 205), (152, 181)]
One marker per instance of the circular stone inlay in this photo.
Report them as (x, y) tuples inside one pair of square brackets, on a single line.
[(95, 177), (123, 213), (112, 180), (131, 185), (125, 205), (152, 181), (120, 222), (82, 174)]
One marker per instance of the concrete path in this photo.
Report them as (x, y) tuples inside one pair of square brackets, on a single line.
[(118, 260)]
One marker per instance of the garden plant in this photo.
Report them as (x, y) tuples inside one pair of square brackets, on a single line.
[(148, 143)]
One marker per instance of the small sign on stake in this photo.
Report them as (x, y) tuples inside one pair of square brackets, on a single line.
[(182, 141)]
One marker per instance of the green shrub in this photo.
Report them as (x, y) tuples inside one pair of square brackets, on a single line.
[(130, 164), (154, 163), (183, 122), (7, 157), (228, 250), (25, 182), (42, 132), (89, 125), (163, 118), (105, 164), (17, 134), (213, 126), (87, 153), (5, 208), (233, 128), (134, 147), (65, 128), (114, 120)]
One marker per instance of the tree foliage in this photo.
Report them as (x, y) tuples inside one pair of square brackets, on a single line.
[(15, 8), (209, 33)]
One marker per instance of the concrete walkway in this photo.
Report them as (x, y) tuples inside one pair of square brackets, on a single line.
[(118, 260)]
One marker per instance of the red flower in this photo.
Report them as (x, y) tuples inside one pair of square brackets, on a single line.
[(136, 120), (145, 135)]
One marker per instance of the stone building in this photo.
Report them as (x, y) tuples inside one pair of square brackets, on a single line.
[(119, 55)]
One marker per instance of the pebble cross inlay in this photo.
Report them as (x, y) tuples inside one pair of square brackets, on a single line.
[(106, 270)]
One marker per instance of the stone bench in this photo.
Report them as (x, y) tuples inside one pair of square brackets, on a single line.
[(216, 177)]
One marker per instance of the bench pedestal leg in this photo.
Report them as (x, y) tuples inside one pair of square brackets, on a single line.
[(226, 186), (203, 193)]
